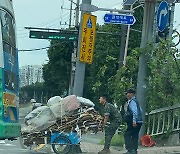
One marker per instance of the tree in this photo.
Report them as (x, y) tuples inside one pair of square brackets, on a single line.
[(56, 73), (102, 74), (163, 77), (36, 91)]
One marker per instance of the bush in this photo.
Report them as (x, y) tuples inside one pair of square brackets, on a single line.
[(117, 140)]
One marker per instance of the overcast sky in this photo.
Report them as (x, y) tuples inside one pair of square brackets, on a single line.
[(48, 14)]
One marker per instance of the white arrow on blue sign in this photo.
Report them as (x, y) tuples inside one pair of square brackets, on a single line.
[(162, 15), (119, 19)]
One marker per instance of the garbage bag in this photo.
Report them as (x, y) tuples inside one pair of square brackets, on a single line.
[(61, 107), (40, 118), (70, 103), (85, 101), (54, 100)]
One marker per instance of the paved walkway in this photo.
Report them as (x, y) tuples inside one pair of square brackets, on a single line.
[(90, 148), (160, 150)]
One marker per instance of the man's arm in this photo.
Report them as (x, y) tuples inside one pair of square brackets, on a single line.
[(133, 108), (105, 120)]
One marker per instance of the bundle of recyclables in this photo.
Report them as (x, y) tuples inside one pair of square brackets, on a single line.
[(63, 115)]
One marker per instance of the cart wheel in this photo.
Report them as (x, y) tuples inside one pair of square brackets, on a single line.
[(61, 145), (21, 141)]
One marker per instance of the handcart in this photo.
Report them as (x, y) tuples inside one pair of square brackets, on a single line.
[(64, 134), (61, 142)]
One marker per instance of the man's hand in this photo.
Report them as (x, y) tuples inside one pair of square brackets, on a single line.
[(134, 124)]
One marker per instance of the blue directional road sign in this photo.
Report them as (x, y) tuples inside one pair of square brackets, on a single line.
[(162, 15), (119, 19)]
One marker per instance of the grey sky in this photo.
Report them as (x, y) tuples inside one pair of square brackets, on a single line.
[(42, 13), (48, 14)]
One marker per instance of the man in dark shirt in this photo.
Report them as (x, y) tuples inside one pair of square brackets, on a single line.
[(112, 120)]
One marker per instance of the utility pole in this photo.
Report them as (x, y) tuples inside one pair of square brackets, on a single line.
[(147, 33), (70, 14), (80, 67), (74, 54), (77, 13)]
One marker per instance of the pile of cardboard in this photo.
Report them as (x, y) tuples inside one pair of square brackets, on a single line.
[(63, 114)]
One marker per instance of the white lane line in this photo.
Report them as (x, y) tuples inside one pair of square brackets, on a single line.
[(2, 142), (14, 149), (9, 145)]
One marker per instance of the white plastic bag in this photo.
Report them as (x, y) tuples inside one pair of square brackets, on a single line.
[(57, 108), (54, 100), (41, 118), (62, 106), (85, 101)]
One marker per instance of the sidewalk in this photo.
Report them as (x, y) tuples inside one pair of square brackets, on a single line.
[(90, 148), (160, 150)]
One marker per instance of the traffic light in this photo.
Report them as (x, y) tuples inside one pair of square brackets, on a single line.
[(62, 35)]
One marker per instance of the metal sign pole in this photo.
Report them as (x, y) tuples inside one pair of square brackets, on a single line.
[(80, 67), (127, 42)]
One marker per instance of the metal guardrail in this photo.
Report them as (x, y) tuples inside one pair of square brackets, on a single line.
[(163, 120)]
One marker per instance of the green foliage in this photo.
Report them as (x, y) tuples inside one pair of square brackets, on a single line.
[(105, 63), (57, 72), (125, 78), (163, 77), (103, 76), (117, 140)]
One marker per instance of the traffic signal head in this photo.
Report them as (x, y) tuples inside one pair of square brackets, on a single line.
[(62, 35)]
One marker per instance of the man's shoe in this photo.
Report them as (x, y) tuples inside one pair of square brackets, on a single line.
[(104, 151)]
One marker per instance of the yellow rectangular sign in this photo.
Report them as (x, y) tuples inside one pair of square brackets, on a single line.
[(9, 99), (88, 38)]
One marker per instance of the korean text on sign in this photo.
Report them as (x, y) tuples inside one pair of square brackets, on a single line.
[(88, 38)]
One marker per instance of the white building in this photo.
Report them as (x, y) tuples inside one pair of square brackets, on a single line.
[(30, 74)]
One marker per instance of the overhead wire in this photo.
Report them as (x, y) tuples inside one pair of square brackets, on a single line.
[(57, 23), (36, 49), (47, 22)]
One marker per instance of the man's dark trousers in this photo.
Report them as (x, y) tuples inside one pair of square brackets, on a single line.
[(131, 137), (110, 130)]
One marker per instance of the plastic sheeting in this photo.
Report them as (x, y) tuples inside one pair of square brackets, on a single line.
[(85, 101), (61, 107), (70, 103), (39, 119), (56, 106), (54, 100)]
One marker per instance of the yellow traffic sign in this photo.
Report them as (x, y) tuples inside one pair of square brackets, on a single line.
[(88, 38)]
